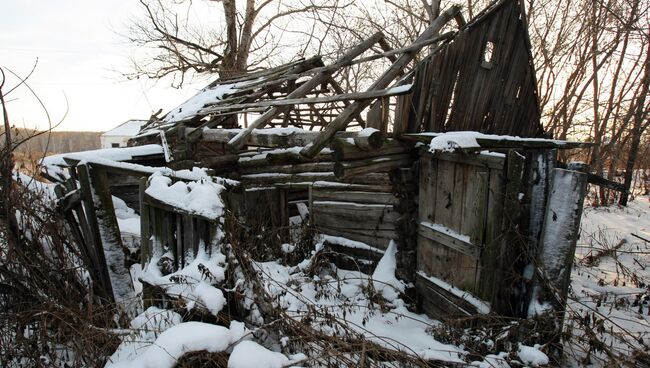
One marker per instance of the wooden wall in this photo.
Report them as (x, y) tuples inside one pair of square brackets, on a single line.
[(360, 212), (483, 81)]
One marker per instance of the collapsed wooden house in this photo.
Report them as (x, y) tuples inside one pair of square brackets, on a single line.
[(489, 214)]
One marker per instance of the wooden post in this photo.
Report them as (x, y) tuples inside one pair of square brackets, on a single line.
[(542, 164), (559, 236), (91, 218), (145, 241), (111, 239), (342, 120), (540, 168)]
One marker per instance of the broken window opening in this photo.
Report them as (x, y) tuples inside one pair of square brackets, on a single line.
[(488, 55)]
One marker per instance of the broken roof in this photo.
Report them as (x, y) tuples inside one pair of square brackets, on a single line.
[(479, 78)]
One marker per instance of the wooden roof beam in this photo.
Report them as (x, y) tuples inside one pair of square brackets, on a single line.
[(240, 140), (343, 97), (341, 121)]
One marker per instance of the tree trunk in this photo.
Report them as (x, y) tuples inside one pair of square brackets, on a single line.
[(229, 61), (639, 126)]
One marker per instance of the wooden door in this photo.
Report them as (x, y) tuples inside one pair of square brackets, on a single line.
[(460, 199)]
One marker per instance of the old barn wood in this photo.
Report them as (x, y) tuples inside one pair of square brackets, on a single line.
[(444, 155)]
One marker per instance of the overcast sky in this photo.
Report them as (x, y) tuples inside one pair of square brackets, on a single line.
[(78, 54)]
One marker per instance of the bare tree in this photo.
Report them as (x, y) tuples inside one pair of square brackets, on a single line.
[(241, 36), (587, 55)]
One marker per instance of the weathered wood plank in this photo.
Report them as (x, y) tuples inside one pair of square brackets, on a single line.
[(445, 263), (344, 186), (387, 163), (378, 239), (379, 213), (290, 169), (492, 161), (145, 234), (514, 242), (475, 204), (501, 143), (492, 255), (427, 188), (344, 150), (324, 194), (91, 218), (445, 239), (444, 191), (274, 178), (440, 303), (326, 218), (289, 102)]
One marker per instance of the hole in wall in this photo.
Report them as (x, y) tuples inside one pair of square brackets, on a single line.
[(488, 55)]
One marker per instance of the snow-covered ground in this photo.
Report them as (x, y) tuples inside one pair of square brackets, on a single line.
[(610, 296), (607, 315)]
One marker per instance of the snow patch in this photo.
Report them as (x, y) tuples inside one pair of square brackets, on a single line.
[(200, 197), (384, 279), (113, 154), (249, 354), (192, 106), (176, 341), (531, 355), (345, 242)]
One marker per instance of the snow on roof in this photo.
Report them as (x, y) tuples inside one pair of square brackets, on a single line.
[(113, 154), (451, 141), (192, 106), (129, 128)]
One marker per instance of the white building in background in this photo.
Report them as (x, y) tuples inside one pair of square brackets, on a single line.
[(118, 136)]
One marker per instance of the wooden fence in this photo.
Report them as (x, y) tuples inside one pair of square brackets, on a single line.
[(169, 231)]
